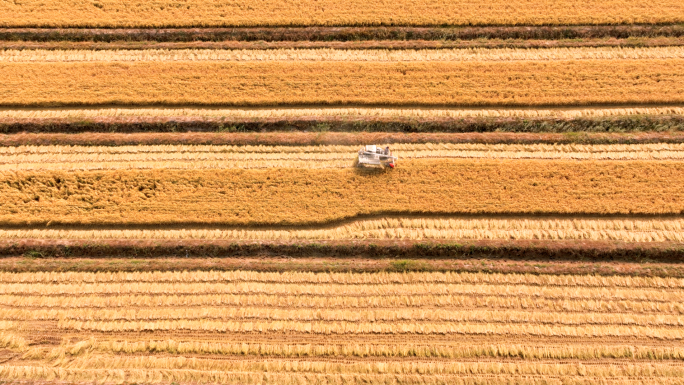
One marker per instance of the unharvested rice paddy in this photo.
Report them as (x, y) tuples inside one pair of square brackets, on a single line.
[(245, 327), (340, 55), (281, 196), (195, 13), (532, 82), (323, 113)]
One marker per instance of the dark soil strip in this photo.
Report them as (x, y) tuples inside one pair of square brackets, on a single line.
[(635, 123), (341, 33), (536, 257), (330, 138), (366, 44)]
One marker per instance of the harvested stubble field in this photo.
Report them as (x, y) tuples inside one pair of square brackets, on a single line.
[(573, 76), (282, 328), (194, 13)]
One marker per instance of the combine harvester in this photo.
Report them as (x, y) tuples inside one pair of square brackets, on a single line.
[(376, 157)]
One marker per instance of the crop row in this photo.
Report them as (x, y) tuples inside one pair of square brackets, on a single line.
[(380, 278), (356, 350), (631, 230), (341, 290), (219, 157), (196, 13), (209, 161), (193, 376), (323, 113), (301, 196), (417, 315), (393, 328), (405, 367), (529, 83), (528, 301), (404, 149), (355, 55)]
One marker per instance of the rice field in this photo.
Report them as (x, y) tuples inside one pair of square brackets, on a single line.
[(275, 83), (87, 158), (194, 13), (237, 327), (143, 142), (327, 113), (626, 230), (301, 196), (340, 55)]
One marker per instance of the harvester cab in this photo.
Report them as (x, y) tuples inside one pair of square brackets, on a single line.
[(377, 157)]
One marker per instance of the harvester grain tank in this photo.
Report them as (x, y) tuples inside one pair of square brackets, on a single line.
[(376, 156)]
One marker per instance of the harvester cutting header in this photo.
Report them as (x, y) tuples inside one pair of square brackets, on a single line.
[(375, 156)]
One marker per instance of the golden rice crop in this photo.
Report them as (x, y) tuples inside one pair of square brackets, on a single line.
[(323, 113), (195, 13), (355, 350), (528, 301), (628, 230), (318, 55), (379, 278), (404, 367), (385, 315), (334, 290), (581, 82), (398, 328), (256, 152), (155, 376), (301, 196), (315, 157)]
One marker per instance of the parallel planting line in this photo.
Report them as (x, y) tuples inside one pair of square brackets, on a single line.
[(384, 278), (628, 230), (214, 13), (192, 376), (528, 302), (399, 328), (273, 83), (323, 113), (314, 157), (337, 55), (248, 314), (336, 290), (355, 350)]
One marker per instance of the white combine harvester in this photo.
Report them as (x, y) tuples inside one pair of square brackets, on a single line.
[(375, 156)]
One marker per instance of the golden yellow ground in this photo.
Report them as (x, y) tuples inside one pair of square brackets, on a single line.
[(213, 13), (273, 83), (301, 196)]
